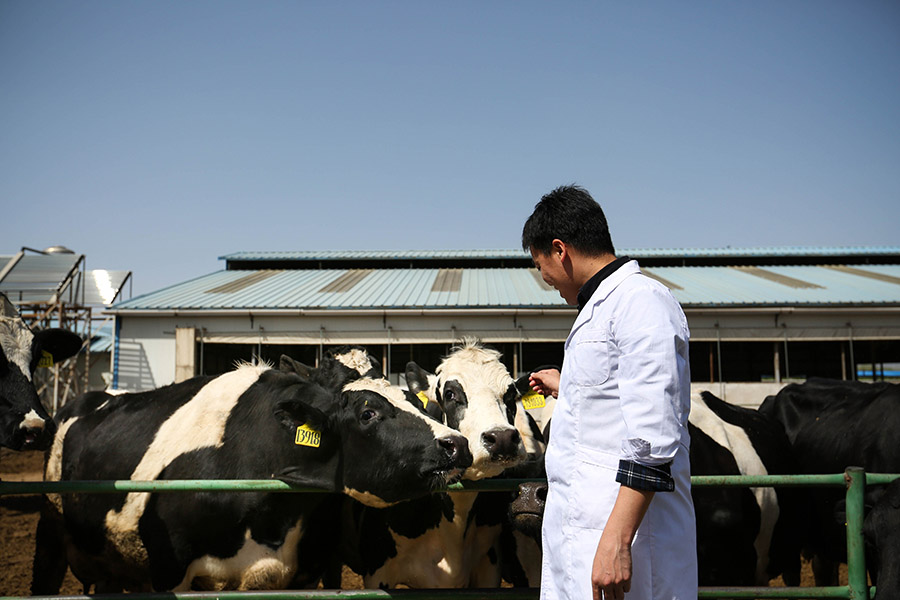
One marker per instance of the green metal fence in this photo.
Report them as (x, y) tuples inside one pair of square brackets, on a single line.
[(854, 479)]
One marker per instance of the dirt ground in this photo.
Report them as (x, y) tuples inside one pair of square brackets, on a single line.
[(19, 517)]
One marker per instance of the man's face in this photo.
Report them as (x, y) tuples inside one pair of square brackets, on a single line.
[(552, 268)]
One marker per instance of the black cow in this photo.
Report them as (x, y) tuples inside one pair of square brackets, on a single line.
[(24, 423), (744, 536), (882, 534), (367, 441), (832, 425), (447, 539)]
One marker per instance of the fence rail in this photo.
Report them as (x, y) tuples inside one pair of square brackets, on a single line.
[(854, 479)]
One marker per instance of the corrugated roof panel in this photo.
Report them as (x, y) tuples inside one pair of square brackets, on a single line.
[(447, 280), (346, 281), (517, 287), (669, 284), (243, 282), (777, 278), (864, 273)]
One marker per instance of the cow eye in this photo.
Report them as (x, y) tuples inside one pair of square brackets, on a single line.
[(367, 415), (450, 395)]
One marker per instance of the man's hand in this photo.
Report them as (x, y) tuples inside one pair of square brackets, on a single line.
[(611, 572), (545, 382)]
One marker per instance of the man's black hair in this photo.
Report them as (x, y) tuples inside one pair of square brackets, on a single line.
[(568, 213)]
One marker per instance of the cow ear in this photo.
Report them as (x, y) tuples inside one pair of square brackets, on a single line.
[(376, 364), (60, 343), (294, 413), (289, 365), (416, 378), (522, 384)]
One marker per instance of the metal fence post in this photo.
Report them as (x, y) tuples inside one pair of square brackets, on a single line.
[(856, 550)]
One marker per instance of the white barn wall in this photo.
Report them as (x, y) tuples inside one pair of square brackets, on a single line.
[(147, 341)]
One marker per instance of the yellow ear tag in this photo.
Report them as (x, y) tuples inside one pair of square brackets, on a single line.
[(307, 436), (421, 396), (46, 360), (533, 400)]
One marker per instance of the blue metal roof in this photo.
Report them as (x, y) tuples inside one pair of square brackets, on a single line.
[(340, 289), (326, 255)]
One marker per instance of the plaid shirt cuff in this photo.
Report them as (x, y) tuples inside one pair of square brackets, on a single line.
[(646, 478)]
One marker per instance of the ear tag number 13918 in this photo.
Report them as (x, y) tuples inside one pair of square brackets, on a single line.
[(307, 436)]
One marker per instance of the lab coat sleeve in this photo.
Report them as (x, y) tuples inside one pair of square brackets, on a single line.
[(650, 333)]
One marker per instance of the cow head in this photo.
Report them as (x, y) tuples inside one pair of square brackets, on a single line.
[(24, 423), (478, 398), (339, 367), (390, 451), (526, 512)]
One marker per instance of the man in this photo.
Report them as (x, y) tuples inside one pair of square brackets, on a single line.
[(619, 518)]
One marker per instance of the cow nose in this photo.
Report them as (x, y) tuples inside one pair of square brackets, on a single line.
[(456, 449), (535, 493), (501, 442)]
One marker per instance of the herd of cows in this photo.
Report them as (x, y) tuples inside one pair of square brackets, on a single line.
[(384, 453)]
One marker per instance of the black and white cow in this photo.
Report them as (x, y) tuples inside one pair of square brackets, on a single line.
[(24, 423), (832, 425), (447, 540), (744, 536), (367, 441)]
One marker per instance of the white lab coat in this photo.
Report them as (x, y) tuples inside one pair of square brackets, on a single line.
[(624, 394)]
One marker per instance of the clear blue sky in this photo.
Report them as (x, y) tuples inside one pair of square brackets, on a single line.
[(158, 136)]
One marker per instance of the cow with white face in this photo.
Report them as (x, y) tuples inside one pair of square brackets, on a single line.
[(24, 423), (478, 397), (367, 441)]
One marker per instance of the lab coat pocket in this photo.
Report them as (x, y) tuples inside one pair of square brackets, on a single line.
[(590, 358), (594, 488)]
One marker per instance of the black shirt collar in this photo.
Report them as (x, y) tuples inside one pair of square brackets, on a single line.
[(591, 285)]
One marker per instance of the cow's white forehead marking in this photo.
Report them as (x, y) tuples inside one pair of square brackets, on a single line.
[(355, 359), (748, 462), (16, 340), (397, 397), (199, 423), (476, 367)]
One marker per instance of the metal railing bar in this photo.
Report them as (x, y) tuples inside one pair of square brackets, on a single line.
[(854, 479), (418, 594), (274, 485), (456, 594)]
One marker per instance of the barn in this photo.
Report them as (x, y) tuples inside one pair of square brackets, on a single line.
[(759, 317)]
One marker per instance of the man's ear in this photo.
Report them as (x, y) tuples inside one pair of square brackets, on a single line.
[(60, 343), (289, 365), (559, 248), (416, 378)]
